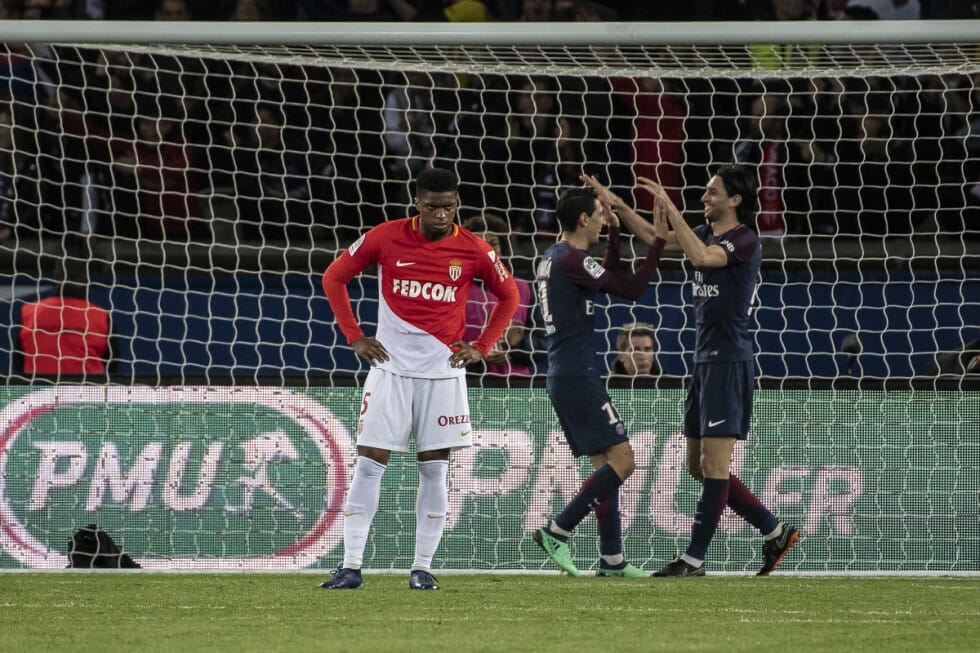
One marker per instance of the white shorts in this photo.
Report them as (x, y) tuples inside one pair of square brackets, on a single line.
[(437, 411)]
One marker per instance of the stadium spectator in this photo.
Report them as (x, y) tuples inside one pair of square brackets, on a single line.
[(877, 165), (175, 10), (475, 140), (271, 180), (352, 170), (544, 151), (950, 9), (636, 353), (357, 10), (568, 280), (726, 254), (160, 189), (463, 11), (657, 110), (887, 9), (537, 11), (65, 334), (410, 128), (789, 160), (505, 357), (417, 383), (959, 202), (583, 11), (19, 177)]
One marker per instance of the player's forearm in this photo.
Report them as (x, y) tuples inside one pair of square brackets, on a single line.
[(632, 287), (500, 317), (612, 256), (695, 250), (640, 228), (335, 288)]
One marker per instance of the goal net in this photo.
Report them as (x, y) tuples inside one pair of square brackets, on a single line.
[(195, 188)]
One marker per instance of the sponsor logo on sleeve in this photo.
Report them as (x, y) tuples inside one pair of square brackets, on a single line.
[(355, 245), (501, 269), (593, 267)]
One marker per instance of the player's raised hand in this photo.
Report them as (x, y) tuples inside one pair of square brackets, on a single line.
[(602, 192), (370, 350), (659, 194), (609, 217), (463, 354)]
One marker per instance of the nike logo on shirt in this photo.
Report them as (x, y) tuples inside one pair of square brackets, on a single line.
[(712, 424), (403, 264)]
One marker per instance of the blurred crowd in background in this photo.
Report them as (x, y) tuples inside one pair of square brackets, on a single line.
[(484, 10), (149, 146)]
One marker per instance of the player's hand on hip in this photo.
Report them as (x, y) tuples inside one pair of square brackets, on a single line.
[(463, 354), (370, 350)]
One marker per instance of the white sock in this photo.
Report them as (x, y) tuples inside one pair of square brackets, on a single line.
[(691, 560), (557, 530), (776, 532), (614, 560), (359, 510), (430, 511)]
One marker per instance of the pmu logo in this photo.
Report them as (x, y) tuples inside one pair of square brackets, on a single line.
[(189, 477)]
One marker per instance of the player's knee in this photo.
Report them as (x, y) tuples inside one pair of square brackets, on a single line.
[(695, 471), (622, 460)]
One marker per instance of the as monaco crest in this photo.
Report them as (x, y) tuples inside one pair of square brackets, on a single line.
[(455, 269)]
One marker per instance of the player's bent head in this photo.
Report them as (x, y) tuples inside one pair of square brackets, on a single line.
[(740, 179), (436, 180), (572, 204)]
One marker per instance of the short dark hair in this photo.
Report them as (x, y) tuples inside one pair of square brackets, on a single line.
[(436, 180), (572, 204), (740, 179), (632, 330), (489, 223)]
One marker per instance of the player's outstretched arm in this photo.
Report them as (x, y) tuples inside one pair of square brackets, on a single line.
[(640, 227), (700, 255)]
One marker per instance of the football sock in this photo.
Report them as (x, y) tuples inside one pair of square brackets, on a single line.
[(775, 532), (359, 510), (431, 505), (558, 531), (598, 487), (747, 505), (714, 496), (617, 560), (610, 527)]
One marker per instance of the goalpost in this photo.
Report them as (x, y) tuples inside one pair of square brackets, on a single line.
[(199, 177)]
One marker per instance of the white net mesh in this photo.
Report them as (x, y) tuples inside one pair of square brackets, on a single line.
[(201, 191)]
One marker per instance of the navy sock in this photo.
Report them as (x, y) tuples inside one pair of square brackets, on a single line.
[(603, 483), (610, 526), (714, 496), (748, 506)]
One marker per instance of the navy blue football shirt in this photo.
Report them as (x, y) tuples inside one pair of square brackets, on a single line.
[(723, 298)]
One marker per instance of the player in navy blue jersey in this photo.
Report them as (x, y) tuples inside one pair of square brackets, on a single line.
[(568, 280), (726, 255)]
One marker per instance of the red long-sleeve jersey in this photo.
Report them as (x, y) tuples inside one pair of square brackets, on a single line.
[(423, 289)]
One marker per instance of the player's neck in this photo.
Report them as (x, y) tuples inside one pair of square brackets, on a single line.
[(575, 239), (725, 224)]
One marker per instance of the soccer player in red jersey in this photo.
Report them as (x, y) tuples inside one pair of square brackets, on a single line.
[(417, 382)]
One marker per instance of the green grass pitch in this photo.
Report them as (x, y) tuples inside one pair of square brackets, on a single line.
[(177, 613)]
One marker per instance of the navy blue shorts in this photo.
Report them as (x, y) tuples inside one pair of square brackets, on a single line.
[(719, 400), (586, 414)]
